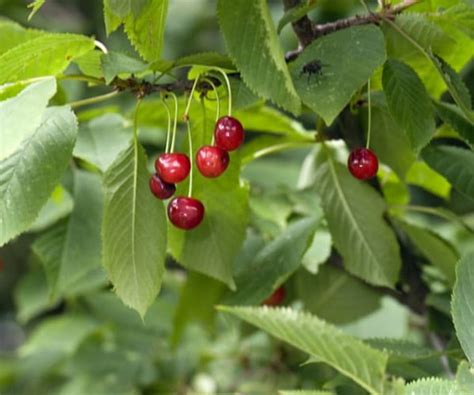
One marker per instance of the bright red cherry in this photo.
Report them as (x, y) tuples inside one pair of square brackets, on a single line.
[(173, 168), (161, 189), (276, 298), (363, 163), (185, 212), (229, 133), (212, 161)]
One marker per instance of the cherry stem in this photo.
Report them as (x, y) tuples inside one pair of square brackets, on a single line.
[(227, 82), (175, 124), (190, 99), (135, 123), (168, 131), (218, 104), (369, 111), (190, 143)]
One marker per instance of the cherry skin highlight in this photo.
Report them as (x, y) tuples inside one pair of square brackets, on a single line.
[(161, 189), (173, 168), (185, 213), (229, 133), (212, 161), (276, 298), (363, 163)]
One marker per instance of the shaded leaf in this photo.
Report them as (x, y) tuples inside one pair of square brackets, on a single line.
[(452, 115)]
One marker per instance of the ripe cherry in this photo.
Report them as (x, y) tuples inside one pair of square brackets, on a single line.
[(212, 161), (161, 189), (185, 212), (173, 168), (229, 133), (276, 298), (363, 163)]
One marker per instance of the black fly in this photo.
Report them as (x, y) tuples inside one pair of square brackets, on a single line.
[(315, 67)]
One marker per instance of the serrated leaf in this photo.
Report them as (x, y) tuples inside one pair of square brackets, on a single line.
[(347, 58), (89, 64), (330, 295), (465, 376), (274, 263), (295, 13), (144, 24), (456, 86), (400, 349), (386, 135), (408, 102), (432, 386), (462, 311), (348, 355), (14, 34), (71, 251), (133, 231), (455, 164), (48, 54), (58, 206), (211, 59), (354, 212), (460, 16), (452, 115), (256, 51), (115, 63), (102, 139), (41, 161), (22, 114)]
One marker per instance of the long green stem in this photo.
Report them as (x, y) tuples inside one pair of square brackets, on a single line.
[(190, 142), (80, 77), (135, 123), (93, 100), (369, 113), (218, 110), (175, 124), (168, 130), (190, 99), (229, 90)]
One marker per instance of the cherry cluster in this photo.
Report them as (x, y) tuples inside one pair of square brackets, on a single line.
[(211, 160)]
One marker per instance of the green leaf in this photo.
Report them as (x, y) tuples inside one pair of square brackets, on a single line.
[(432, 386), (295, 13), (102, 139), (115, 63), (408, 102), (386, 135), (14, 34), (48, 54), (304, 392), (42, 160), (256, 51), (348, 58), (463, 314), (400, 349), (324, 342), (455, 164), (453, 116), (273, 264), (133, 231), (71, 251), (456, 86), (438, 251), (60, 334), (144, 23), (354, 212), (460, 16), (21, 115), (319, 250), (35, 6), (210, 59), (331, 293), (465, 377), (89, 64), (420, 174)]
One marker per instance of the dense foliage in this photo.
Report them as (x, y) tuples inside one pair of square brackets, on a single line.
[(355, 275)]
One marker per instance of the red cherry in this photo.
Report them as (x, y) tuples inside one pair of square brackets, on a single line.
[(173, 168), (276, 298), (212, 161), (161, 189), (363, 163), (185, 212), (229, 133)]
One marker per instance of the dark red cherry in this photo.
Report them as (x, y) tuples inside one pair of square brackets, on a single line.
[(229, 133), (173, 168), (185, 212), (161, 189), (363, 163), (276, 298), (212, 161)]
